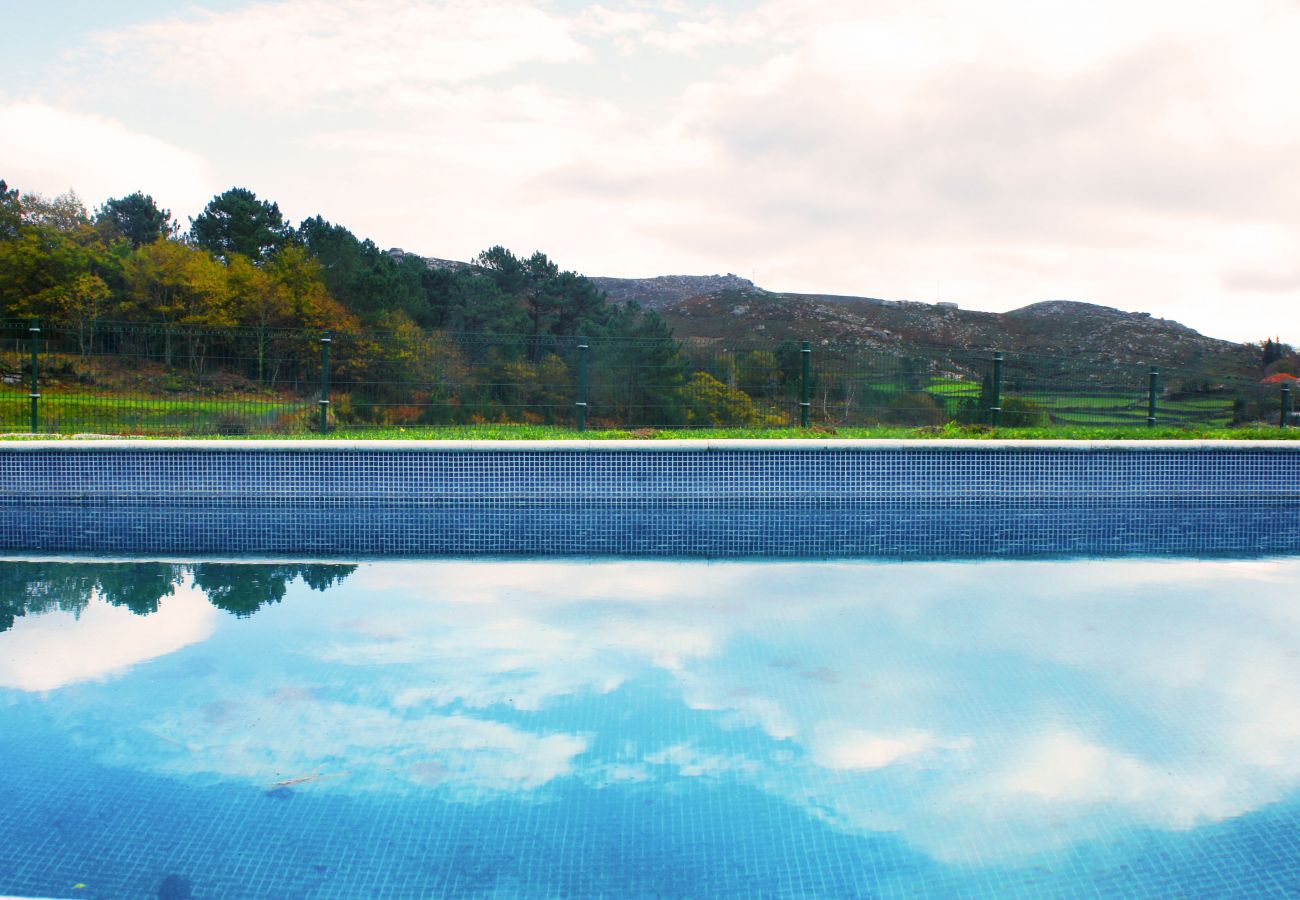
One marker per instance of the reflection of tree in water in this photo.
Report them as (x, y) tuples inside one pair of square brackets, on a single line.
[(32, 588), (243, 589)]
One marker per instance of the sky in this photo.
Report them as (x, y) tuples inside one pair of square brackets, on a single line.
[(1138, 155)]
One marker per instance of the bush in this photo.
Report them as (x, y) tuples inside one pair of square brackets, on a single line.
[(1018, 412), (915, 408), (711, 403), (231, 422)]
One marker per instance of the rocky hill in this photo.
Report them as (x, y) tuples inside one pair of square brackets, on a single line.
[(666, 290), (1061, 329), (732, 310)]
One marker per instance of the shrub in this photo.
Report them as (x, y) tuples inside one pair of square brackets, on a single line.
[(1019, 412), (232, 422), (914, 408), (712, 403)]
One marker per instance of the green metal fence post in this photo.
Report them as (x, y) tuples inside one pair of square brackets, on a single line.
[(35, 331), (1152, 382), (324, 382), (580, 406), (805, 384), (1286, 406), (995, 411)]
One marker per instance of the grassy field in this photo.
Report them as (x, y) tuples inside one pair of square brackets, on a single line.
[(238, 414), (111, 414), (951, 431), (1100, 408)]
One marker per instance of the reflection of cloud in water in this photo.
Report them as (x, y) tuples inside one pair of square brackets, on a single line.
[(1042, 698), (55, 649), (1043, 701), (273, 738), (690, 761), (852, 749)]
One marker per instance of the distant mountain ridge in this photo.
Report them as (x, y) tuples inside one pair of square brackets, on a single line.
[(665, 290), (730, 309)]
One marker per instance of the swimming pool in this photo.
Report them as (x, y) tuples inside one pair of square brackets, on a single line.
[(620, 728)]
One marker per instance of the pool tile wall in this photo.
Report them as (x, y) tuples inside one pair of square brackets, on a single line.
[(710, 499), (706, 530), (773, 471)]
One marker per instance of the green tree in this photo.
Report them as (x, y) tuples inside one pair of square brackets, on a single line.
[(638, 379), (11, 213), (65, 212), (38, 270), (1274, 350), (555, 303), (136, 219), (758, 373), (712, 404), (237, 222), (259, 303), (364, 279), (84, 305), (322, 577), (474, 303), (175, 285), (53, 264)]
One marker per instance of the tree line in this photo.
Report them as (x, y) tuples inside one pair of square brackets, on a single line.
[(236, 302), (35, 588), (491, 341)]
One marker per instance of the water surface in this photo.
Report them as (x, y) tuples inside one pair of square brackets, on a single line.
[(650, 728)]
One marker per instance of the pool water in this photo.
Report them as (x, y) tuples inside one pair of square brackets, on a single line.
[(558, 728)]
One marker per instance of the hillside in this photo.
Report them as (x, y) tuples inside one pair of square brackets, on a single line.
[(733, 310), (1062, 329), (666, 290)]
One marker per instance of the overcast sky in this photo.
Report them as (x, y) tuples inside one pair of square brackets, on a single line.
[(1144, 155)]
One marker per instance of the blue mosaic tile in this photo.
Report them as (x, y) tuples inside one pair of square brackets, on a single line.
[(711, 503), (704, 530), (353, 476)]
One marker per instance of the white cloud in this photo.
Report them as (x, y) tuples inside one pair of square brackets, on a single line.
[(601, 20), (995, 155), (853, 749), (886, 692), (50, 150), (1007, 157), (350, 748), (1262, 280), (503, 627), (283, 52), (689, 761), (1163, 695), (56, 649)]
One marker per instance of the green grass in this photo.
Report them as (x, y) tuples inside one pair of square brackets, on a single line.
[(1099, 409), (951, 431), (154, 415), (1074, 417)]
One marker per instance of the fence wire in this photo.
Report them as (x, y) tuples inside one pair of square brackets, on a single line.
[(173, 379)]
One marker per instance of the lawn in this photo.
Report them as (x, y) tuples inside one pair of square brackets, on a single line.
[(950, 431), (1084, 416), (80, 412)]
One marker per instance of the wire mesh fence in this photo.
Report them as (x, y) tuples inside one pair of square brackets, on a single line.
[(175, 379)]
